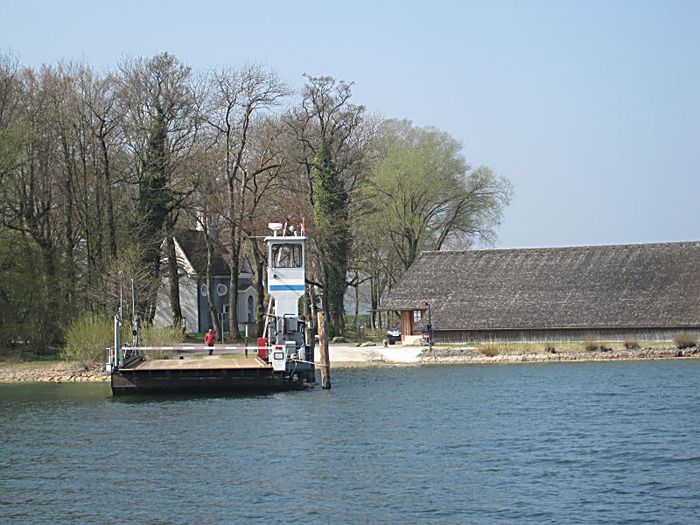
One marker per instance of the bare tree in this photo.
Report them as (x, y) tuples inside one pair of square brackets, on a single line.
[(330, 135), (32, 185), (161, 123), (238, 97), (103, 118)]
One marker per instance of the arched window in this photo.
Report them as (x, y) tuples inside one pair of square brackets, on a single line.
[(251, 309)]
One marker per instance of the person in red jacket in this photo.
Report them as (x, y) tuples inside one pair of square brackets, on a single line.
[(210, 339)]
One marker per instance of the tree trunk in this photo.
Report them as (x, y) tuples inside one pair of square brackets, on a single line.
[(323, 348), (49, 330), (314, 311), (69, 263), (108, 200), (259, 258), (173, 276), (378, 301), (357, 304), (234, 256), (99, 242), (325, 303), (210, 286)]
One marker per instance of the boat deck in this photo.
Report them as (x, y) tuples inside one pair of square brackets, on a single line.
[(205, 363)]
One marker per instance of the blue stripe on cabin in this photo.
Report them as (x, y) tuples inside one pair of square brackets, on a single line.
[(286, 287)]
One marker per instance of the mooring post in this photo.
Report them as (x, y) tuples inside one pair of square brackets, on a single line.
[(323, 344)]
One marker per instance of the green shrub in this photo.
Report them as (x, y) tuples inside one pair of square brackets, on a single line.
[(160, 336), (86, 339), (631, 345), (685, 340)]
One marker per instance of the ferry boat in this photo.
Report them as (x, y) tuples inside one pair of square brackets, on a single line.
[(282, 360)]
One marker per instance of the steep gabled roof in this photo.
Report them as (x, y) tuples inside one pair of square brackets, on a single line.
[(194, 245), (621, 286)]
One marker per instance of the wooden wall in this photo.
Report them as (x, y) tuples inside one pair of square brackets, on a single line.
[(638, 334), (406, 324)]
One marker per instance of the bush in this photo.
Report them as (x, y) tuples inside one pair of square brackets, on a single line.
[(86, 339), (590, 346), (550, 348), (631, 345), (685, 340), (490, 350), (160, 336), (595, 346), (351, 322)]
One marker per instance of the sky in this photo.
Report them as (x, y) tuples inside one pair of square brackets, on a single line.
[(590, 108)]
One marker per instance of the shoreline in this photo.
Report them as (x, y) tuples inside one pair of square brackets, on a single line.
[(374, 356), (345, 356), (642, 354), (57, 372)]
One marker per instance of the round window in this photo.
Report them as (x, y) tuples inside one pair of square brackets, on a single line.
[(203, 290), (221, 289)]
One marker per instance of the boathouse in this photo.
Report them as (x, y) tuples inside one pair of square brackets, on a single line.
[(635, 291), (191, 254)]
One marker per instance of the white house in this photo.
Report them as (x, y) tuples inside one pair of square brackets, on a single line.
[(191, 253)]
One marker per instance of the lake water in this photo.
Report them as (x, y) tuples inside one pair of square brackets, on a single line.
[(535, 443)]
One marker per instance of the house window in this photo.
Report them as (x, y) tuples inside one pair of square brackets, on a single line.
[(221, 289), (286, 255), (417, 315)]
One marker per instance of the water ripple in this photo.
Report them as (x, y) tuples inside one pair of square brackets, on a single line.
[(531, 444)]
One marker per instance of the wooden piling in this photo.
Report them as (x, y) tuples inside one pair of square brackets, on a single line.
[(323, 346)]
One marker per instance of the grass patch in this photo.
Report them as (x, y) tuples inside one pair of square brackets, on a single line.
[(490, 350), (597, 346), (685, 340), (528, 348)]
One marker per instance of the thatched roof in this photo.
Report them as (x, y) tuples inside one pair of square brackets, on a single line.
[(624, 286)]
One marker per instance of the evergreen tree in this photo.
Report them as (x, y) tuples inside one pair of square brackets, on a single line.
[(154, 195), (331, 217)]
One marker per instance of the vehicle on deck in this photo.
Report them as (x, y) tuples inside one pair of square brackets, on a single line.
[(394, 334)]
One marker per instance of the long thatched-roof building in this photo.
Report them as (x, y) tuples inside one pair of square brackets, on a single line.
[(636, 291)]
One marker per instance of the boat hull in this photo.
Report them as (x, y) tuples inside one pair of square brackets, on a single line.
[(245, 381)]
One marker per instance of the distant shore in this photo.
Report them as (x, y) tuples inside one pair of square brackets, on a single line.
[(343, 356), (457, 355)]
